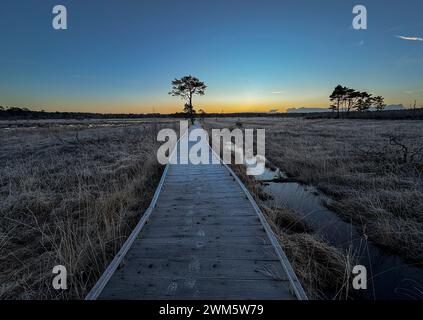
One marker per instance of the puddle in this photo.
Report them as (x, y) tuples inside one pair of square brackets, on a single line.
[(389, 277), (270, 175)]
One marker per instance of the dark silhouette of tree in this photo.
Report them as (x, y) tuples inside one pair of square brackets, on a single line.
[(347, 99), (186, 88), (379, 103), (352, 99), (364, 102), (338, 97)]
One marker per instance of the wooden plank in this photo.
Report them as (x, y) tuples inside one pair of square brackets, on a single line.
[(200, 268), (230, 231), (209, 220), (202, 249), (211, 240), (189, 212), (196, 198), (204, 288), (220, 209), (217, 207)]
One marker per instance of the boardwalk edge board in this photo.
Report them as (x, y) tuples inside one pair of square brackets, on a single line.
[(108, 273), (292, 277)]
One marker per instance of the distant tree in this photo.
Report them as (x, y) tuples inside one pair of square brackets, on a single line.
[(337, 98), (1, 108), (352, 99), (364, 103), (347, 99), (186, 88), (379, 103)]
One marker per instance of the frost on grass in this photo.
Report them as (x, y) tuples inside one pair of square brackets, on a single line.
[(70, 195), (372, 169)]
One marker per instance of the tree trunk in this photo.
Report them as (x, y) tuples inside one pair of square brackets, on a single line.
[(191, 108), (338, 108)]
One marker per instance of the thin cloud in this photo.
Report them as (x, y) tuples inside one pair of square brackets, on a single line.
[(276, 92), (410, 38)]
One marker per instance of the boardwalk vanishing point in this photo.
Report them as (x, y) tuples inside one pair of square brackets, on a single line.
[(203, 237)]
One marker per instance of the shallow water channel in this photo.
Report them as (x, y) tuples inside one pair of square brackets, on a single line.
[(389, 277)]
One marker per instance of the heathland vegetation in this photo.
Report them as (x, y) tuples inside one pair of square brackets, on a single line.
[(71, 190), (372, 170), (70, 195)]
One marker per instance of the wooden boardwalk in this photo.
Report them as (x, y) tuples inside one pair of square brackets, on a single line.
[(202, 238)]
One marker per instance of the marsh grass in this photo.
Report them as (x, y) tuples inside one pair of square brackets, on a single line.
[(323, 270), (373, 170), (70, 196)]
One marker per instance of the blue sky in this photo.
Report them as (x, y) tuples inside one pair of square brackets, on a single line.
[(120, 56)]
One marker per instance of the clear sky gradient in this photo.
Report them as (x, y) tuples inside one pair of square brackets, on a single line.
[(120, 56)]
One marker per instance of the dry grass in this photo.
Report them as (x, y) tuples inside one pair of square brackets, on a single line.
[(372, 169), (70, 196), (323, 270)]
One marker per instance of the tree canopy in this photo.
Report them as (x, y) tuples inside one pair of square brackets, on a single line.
[(186, 88), (348, 99)]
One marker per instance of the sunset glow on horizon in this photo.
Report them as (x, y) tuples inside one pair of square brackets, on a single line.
[(254, 56)]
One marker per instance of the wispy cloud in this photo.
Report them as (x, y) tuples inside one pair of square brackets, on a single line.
[(410, 38), (276, 92)]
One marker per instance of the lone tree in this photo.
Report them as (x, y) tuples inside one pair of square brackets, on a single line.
[(185, 88)]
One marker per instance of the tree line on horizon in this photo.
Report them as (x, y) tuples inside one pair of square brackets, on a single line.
[(26, 113), (347, 99), (343, 100)]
